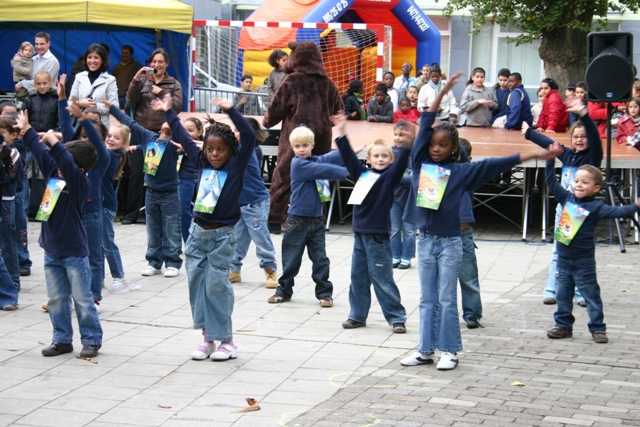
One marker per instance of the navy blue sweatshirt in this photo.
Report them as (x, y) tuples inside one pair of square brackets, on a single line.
[(373, 215), (94, 198), (227, 210), (445, 222), (253, 190), (401, 192), (583, 243), (166, 177), (591, 156), (107, 188), (11, 182), (63, 234), (519, 109), (501, 95), (305, 200)]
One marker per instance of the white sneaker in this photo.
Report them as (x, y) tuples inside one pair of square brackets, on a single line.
[(150, 271), (203, 351), (417, 358), (447, 361), (130, 286), (225, 352), (171, 272)]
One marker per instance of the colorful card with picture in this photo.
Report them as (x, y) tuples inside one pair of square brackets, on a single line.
[(180, 156), (324, 190), (568, 177), (211, 183), (50, 198), (433, 181), (362, 187), (570, 222), (152, 157)]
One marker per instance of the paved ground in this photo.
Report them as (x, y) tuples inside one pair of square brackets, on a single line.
[(305, 370)]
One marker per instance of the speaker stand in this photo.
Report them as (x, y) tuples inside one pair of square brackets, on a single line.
[(612, 191)]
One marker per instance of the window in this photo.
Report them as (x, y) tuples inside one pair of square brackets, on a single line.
[(443, 25)]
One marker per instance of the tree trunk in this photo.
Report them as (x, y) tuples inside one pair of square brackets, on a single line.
[(564, 52)]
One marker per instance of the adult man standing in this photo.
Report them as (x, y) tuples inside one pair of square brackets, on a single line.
[(124, 72), (44, 60), (405, 81)]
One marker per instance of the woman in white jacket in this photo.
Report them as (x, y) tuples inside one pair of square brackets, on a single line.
[(95, 83)]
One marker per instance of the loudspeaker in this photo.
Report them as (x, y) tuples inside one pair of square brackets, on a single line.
[(610, 71)]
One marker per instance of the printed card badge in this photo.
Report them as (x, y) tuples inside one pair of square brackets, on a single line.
[(152, 157), (50, 198), (570, 222), (211, 183), (179, 162), (324, 190), (568, 177), (362, 187), (431, 186)]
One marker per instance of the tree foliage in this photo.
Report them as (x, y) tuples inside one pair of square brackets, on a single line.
[(541, 17), (561, 25)]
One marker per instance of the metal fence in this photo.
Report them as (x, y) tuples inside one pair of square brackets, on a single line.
[(203, 95)]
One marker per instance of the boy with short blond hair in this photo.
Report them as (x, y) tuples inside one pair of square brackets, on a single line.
[(576, 247), (305, 224)]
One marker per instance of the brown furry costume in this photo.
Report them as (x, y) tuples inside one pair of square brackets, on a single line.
[(306, 96)]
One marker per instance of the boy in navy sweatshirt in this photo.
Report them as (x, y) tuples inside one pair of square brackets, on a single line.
[(64, 239), (371, 263), (305, 224), (576, 247)]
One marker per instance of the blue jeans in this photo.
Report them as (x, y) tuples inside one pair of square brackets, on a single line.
[(252, 225), (92, 221), (109, 247), (403, 234), (8, 243), (301, 232), (164, 244), (66, 278), (20, 219), (550, 288), (208, 255), (469, 285), (371, 265), (8, 291), (580, 272), (439, 260), (186, 190)]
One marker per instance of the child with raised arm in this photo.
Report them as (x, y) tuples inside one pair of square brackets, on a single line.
[(586, 149), (212, 240), (64, 239), (371, 260), (305, 224), (254, 214), (162, 203), (576, 248), (434, 208), (92, 209)]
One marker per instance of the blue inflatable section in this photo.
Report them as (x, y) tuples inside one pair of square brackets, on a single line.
[(408, 14)]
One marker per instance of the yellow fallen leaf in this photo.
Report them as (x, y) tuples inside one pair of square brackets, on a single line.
[(253, 405), (41, 343), (625, 290), (88, 359), (517, 384), (134, 305), (164, 406), (246, 330)]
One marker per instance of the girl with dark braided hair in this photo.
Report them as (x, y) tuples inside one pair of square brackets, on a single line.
[(212, 239), (433, 207)]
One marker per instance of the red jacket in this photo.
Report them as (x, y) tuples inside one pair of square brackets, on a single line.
[(598, 112), (411, 116), (554, 115), (626, 127)]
